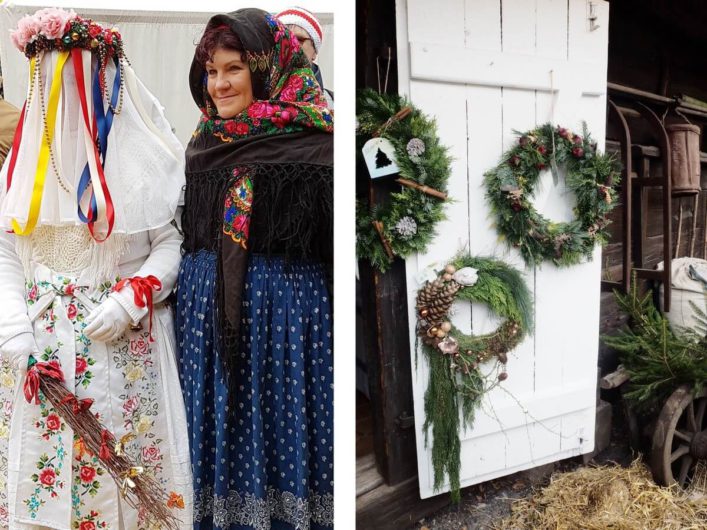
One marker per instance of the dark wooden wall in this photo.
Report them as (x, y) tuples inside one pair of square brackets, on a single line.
[(656, 46)]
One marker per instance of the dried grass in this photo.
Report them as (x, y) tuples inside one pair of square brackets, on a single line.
[(611, 497)]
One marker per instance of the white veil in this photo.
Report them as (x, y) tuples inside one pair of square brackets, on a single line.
[(144, 166)]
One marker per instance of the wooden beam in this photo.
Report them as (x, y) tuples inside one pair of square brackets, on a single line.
[(512, 70)]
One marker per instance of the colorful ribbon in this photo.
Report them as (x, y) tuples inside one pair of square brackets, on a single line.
[(142, 292), (77, 405), (100, 193), (102, 123), (127, 477), (43, 160), (33, 378), (106, 438)]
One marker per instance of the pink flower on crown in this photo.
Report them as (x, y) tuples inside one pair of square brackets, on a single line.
[(27, 30), (52, 21)]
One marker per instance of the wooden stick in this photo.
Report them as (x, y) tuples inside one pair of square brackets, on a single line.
[(424, 189), (400, 115), (378, 225)]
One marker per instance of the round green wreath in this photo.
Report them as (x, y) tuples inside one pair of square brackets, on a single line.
[(590, 176), (455, 358), (408, 219)]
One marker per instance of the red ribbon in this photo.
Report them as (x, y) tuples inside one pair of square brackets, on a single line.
[(77, 405), (32, 380), (81, 87), (142, 291), (31, 386), (106, 438), (15, 147)]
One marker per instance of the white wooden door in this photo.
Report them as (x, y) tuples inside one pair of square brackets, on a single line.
[(485, 68)]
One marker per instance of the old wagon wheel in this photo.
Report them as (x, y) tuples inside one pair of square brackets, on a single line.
[(680, 437)]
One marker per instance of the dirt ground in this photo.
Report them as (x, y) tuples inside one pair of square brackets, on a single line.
[(485, 504)]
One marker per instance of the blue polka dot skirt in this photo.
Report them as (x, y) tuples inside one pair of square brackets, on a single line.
[(268, 464)]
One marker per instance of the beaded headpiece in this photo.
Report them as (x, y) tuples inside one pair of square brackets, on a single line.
[(56, 29)]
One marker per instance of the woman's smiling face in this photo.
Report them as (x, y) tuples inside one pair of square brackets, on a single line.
[(228, 82)]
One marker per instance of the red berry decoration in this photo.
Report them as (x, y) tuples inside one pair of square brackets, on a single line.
[(536, 237)]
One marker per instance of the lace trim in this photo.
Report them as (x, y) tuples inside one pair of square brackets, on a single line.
[(71, 250), (248, 509)]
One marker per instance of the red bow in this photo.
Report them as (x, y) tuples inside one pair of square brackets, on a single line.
[(77, 405), (106, 438), (32, 380), (142, 291)]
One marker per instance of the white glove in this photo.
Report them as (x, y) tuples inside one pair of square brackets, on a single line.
[(107, 322), (18, 349)]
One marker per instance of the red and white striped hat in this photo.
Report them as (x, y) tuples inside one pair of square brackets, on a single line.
[(304, 19)]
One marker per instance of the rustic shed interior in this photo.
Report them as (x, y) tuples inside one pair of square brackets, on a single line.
[(655, 58)]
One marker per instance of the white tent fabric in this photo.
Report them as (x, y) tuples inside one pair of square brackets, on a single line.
[(160, 46)]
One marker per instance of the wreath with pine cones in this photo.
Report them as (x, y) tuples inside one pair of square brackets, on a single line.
[(590, 176), (457, 377), (406, 223)]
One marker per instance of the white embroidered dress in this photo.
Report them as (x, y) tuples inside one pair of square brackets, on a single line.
[(50, 281)]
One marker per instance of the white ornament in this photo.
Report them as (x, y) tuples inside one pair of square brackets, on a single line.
[(466, 276)]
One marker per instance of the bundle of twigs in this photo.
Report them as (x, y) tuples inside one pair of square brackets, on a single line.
[(140, 491)]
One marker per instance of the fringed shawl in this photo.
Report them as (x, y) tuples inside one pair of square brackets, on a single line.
[(269, 192)]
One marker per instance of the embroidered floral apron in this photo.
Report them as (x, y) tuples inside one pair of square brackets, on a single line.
[(52, 480)]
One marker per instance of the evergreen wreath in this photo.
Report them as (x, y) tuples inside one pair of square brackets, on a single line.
[(591, 176), (406, 223), (455, 358)]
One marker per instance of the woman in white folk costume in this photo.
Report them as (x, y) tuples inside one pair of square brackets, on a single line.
[(89, 192)]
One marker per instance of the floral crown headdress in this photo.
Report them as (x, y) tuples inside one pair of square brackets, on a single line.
[(57, 29), (70, 35)]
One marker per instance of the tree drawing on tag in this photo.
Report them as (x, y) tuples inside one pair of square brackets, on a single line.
[(382, 159)]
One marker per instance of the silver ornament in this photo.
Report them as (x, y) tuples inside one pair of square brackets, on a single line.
[(415, 148), (406, 227)]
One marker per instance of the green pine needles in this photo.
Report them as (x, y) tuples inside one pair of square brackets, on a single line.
[(657, 359), (456, 381), (591, 177), (410, 216)]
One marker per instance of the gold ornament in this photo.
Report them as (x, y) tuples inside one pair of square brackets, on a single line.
[(441, 333), (446, 326), (450, 269), (94, 43), (446, 277), (432, 331), (74, 36), (424, 313)]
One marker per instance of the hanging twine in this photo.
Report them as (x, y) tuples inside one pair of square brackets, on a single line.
[(398, 116)]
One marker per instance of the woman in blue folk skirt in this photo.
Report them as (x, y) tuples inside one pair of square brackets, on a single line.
[(254, 320)]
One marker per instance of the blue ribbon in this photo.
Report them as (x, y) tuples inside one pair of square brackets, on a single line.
[(104, 121)]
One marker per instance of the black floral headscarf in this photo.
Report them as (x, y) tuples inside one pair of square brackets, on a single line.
[(287, 95)]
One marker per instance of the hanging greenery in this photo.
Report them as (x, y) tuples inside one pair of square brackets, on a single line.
[(456, 379), (657, 359), (590, 176), (406, 223)]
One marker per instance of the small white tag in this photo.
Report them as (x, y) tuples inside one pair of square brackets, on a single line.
[(379, 154)]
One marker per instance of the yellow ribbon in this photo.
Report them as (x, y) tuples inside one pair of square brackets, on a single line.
[(128, 477), (123, 441), (43, 161)]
